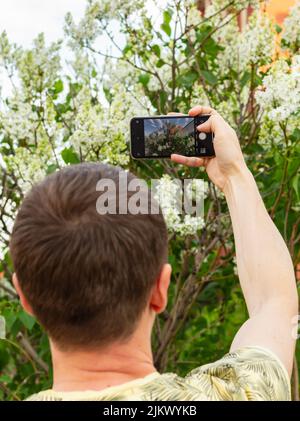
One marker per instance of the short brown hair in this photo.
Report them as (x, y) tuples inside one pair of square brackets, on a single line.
[(87, 276)]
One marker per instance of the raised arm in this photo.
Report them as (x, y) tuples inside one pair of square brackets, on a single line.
[(264, 265)]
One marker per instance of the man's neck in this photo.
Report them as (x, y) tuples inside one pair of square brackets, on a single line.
[(97, 370)]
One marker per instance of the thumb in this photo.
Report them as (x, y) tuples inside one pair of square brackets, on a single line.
[(214, 124)]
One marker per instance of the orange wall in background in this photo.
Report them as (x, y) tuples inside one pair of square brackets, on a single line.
[(279, 8)]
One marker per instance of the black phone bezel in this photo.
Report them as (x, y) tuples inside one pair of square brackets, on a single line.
[(137, 140)]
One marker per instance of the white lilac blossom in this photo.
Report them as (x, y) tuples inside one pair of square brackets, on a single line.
[(256, 43), (39, 67), (30, 167), (170, 196), (21, 125), (103, 129), (88, 28), (280, 93), (97, 12), (193, 16), (291, 28), (190, 225), (111, 9), (18, 120), (243, 52), (272, 132)]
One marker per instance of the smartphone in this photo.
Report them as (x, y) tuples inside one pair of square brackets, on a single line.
[(161, 136)]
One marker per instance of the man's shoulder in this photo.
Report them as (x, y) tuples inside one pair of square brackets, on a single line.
[(250, 373)]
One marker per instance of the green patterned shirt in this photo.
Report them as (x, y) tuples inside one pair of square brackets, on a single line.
[(250, 373)]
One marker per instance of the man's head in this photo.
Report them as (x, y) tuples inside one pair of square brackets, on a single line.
[(87, 277)]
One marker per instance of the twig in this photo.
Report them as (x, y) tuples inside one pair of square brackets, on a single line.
[(31, 351)]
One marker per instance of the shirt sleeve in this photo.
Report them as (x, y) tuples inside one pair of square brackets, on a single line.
[(250, 373)]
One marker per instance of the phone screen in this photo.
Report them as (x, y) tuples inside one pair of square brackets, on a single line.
[(159, 137), (169, 135)]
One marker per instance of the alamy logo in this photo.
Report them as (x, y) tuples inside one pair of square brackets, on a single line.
[(139, 197)]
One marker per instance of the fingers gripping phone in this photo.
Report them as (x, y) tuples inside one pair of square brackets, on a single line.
[(161, 136)]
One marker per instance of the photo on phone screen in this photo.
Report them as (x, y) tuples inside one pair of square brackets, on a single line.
[(159, 137), (169, 135)]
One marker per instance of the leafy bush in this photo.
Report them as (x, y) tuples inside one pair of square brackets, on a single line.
[(167, 60)]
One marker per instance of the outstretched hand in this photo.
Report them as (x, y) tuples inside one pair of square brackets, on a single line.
[(229, 158)]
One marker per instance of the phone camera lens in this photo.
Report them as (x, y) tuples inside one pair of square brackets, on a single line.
[(137, 121)]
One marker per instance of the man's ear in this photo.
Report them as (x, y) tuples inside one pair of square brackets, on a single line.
[(23, 299), (159, 295)]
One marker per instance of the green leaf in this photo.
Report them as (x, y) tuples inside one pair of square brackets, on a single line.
[(211, 48), (94, 73), (203, 32), (10, 318), (144, 79), (127, 48), (167, 17), (27, 320), (257, 80), (278, 28), (61, 109), (4, 360), (188, 79), (160, 63), (166, 28), (70, 156), (108, 94), (173, 260), (209, 77), (245, 78), (295, 136), (58, 86), (51, 168), (156, 49), (5, 378), (75, 88)]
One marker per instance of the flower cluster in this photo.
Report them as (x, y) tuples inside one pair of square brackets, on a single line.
[(39, 67), (88, 29), (291, 31), (30, 167), (171, 198), (280, 94), (18, 121), (102, 130), (97, 135), (254, 46), (256, 43)]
